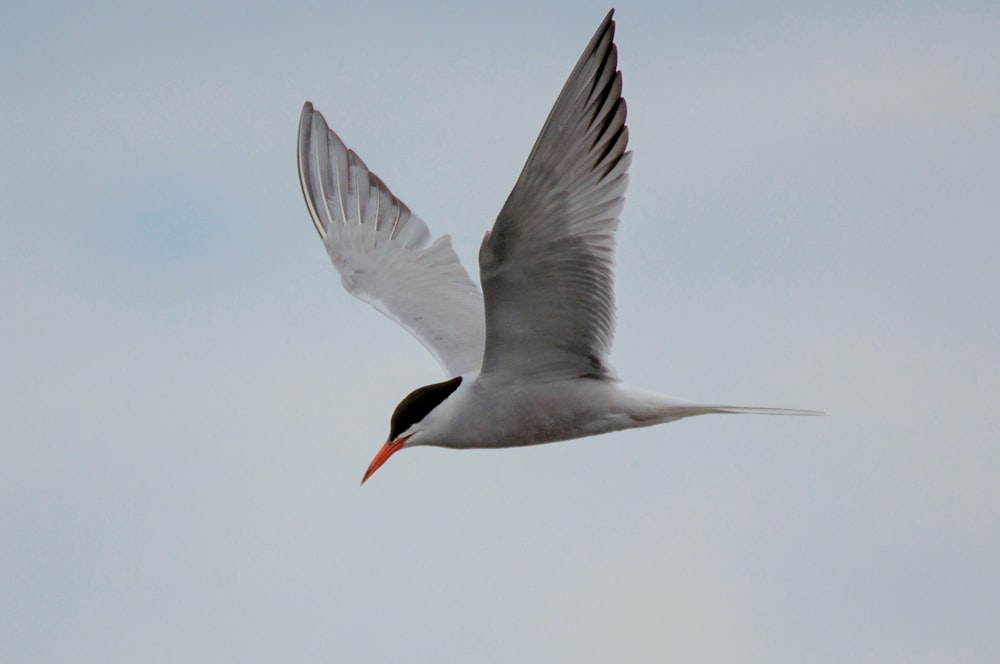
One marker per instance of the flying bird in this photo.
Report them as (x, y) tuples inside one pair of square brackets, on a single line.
[(527, 357)]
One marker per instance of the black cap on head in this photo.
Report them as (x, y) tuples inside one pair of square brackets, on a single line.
[(418, 403)]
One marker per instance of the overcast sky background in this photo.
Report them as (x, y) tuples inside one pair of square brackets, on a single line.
[(189, 398)]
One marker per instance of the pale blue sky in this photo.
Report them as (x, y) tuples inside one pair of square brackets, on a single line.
[(190, 398)]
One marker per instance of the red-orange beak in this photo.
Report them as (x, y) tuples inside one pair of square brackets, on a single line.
[(390, 448)]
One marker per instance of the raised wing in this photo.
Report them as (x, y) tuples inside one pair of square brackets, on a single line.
[(547, 265), (381, 250)]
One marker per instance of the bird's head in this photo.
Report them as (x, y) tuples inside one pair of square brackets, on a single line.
[(408, 419)]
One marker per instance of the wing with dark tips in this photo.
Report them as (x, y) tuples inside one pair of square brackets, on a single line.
[(547, 267)]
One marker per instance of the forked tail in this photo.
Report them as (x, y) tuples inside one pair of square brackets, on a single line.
[(754, 410), (645, 408)]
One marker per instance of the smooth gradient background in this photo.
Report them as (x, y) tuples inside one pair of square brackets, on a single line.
[(189, 398)]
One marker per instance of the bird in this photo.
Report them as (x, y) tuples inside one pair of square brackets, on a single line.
[(526, 357)]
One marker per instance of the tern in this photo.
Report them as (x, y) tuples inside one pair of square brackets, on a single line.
[(527, 357)]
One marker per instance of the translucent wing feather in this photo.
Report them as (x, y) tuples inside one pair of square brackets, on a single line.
[(547, 265), (383, 251)]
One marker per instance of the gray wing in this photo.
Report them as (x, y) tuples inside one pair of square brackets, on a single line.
[(381, 250), (547, 265)]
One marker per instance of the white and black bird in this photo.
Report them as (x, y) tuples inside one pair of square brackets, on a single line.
[(526, 358)]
